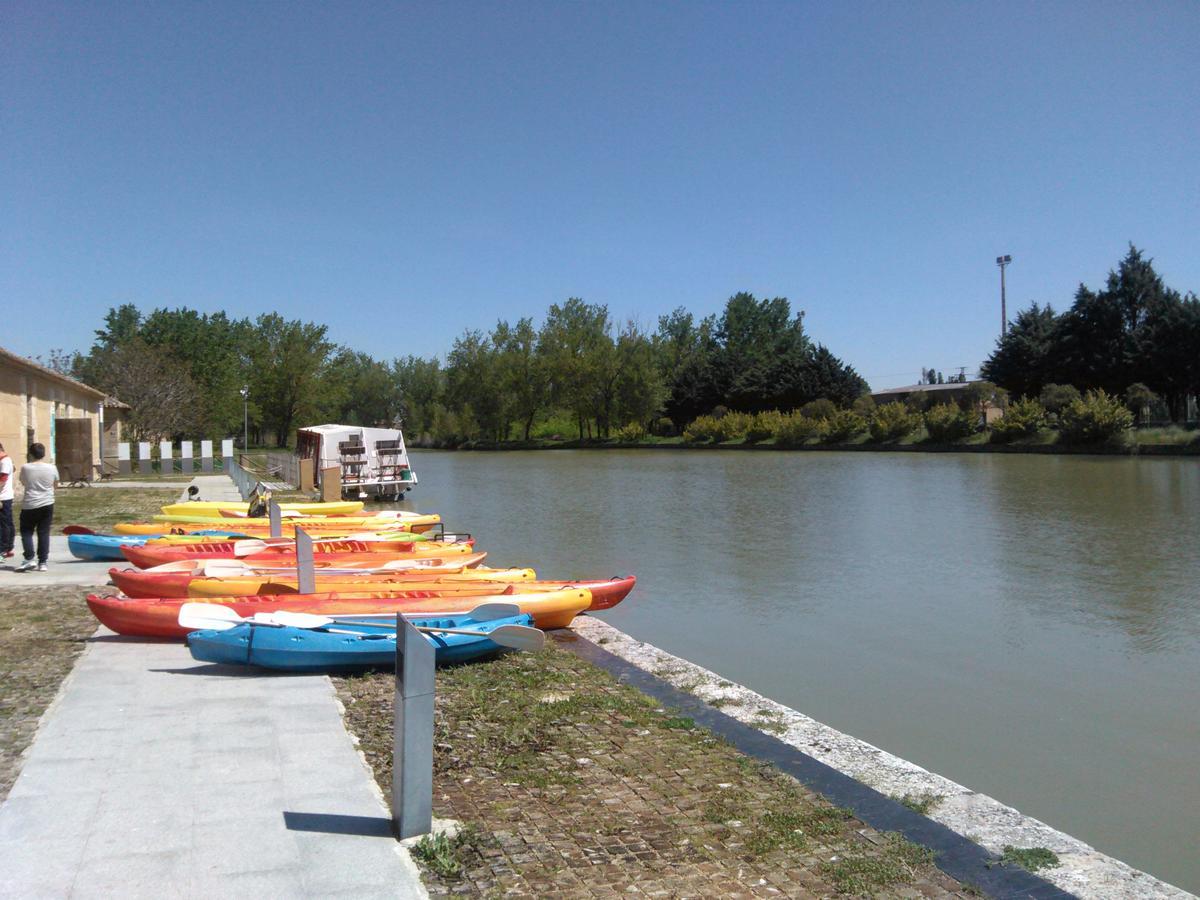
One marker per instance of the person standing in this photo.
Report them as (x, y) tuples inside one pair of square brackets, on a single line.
[(7, 532), (37, 507)]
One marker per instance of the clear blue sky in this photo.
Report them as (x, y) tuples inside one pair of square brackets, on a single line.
[(403, 172)]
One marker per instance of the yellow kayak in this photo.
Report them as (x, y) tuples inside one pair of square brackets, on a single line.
[(334, 526), (212, 508)]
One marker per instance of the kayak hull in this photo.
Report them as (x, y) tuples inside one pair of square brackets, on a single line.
[(101, 547), (214, 508), (160, 617), (365, 554), (330, 650)]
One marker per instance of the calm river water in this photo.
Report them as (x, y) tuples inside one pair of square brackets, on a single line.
[(1028, 626)]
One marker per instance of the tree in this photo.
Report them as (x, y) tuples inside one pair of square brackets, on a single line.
[(1025, 357), (472, 381), (521, 370), (360, 390), (421, 384), (289, 360), (158, 388), (640, 390), (572, 344)]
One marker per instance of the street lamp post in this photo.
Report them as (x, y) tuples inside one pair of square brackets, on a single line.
[(1003, 261), (245, 392)]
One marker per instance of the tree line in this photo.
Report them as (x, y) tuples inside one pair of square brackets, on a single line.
[(580, 374), (1134, 338)]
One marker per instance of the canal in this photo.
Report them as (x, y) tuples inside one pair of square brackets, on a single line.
[(1028, 626)]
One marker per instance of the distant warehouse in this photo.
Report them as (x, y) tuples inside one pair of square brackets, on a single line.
[(39, 405), (935, 393)]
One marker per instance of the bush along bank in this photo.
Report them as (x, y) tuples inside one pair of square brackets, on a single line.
[(1060, 421)]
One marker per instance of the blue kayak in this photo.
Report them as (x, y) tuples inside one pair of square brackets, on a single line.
[(348, 644), (108, 546)]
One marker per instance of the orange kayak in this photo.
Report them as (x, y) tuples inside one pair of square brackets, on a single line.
[(160, 617)]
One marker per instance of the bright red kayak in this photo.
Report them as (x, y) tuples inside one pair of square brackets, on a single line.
[(358, 553)]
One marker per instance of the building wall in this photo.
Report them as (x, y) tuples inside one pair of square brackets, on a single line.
[(29, 404)]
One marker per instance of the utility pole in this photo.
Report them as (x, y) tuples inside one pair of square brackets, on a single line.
[(245, 392), (1003, 261)]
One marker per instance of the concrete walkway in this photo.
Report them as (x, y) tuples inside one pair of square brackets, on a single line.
[(153, 775)]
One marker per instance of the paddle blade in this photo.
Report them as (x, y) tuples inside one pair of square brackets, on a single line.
[(182, 565), (298, 620), (225, 568), (487, 612), (249, 547), (211, 616), (518, 637)]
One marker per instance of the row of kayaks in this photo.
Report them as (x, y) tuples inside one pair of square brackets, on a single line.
[(235, 592)]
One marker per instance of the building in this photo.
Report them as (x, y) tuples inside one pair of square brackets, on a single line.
[(39, 405), (935, 393)]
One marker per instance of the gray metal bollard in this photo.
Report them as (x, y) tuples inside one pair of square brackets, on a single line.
[(276, 516), (412, 752), (206, 464), (306, 576)]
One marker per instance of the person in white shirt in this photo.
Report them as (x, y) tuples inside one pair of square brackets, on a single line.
[(7, 532), (37, 508)]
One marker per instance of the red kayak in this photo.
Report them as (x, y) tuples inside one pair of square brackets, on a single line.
[(361, 552)]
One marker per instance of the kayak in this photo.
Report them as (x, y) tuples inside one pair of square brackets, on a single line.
[(168, 581), (160, 617), (215, 507), (108, 546), (336, 521), (331, 526), (605, 594), (342, 645), (362, 553)]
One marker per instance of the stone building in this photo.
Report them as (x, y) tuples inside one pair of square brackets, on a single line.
[(40, 405)]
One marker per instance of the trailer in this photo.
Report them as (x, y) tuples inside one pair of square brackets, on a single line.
[(373, 461)]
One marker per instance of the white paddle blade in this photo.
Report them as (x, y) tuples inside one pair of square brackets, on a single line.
[(182, 565), (518, 637), (487, 612), (211, 616), (225, 568), (298, 620), (248, 547)]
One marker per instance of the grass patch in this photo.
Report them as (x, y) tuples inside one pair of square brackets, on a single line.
[(101, 507), (869, 873), (921, 804), (444, 855), (42, 631), (1029, 858)]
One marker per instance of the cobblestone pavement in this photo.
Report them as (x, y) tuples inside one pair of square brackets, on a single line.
[(574, 786)]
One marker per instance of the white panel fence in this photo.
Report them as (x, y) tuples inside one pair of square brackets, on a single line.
[(167, 460)]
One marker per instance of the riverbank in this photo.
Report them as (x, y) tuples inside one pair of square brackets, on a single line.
[(1182, 443)]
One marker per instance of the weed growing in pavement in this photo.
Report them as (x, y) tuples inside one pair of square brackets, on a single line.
[(857, 872), (922, 804), (443, 854), (1030, 858)]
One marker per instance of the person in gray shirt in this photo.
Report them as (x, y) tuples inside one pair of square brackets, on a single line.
[(37, 509)]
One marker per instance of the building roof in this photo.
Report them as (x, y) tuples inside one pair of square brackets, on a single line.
[(931, 388), (7, 356)]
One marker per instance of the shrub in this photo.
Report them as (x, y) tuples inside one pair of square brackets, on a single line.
[(732, 426), (840, 427), (794, 429), (864, 405), (1095, 417), (919, 401), (1022, 419), (700, 429), (631, 433), (763, 425), (818, 409), (1139, 399), (893, 421), (1056, 397), (946, 423)]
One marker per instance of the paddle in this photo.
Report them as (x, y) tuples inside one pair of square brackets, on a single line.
[(216, 617), (518, 637)]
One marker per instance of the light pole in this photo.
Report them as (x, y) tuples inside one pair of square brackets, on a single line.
[(245, 392), (1003, 261)]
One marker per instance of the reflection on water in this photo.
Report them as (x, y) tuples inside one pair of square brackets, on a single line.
[(1026, 625)]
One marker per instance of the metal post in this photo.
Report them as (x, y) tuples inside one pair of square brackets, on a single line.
[(412, 752), (1002, 262), (276, 516), (245, 392), (306, 576)]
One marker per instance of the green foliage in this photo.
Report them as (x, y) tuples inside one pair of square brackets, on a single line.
[(1056, 397), (1023, 418), (1031, 858), (919, 401), (794, 429), (982, 395), (893, 421), (821, 408), (444, 854), (947, 423), (841, 427), (864, 405), (763, 426), (701, 429), (1095, 417), (632, 433), (1138, 397)]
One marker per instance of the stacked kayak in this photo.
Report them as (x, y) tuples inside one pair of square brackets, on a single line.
[(238, 595)]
